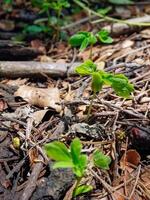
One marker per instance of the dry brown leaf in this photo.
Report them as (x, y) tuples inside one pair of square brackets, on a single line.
[(47, 97), (33, 155), (45, 58), (38, 116), (127, 43), (145, 33), (117, 194), (17, 82), (38, 44), (132, 157)]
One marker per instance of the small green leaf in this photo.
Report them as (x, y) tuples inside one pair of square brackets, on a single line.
[(84, 44), (63, 164), (87, 68), (121, 85), (57, 151), (104, 11), (97, 82), (79, 168), (76, 147), (104, 37), (82, 189), (77, 39), (92, 39), (100, 160)]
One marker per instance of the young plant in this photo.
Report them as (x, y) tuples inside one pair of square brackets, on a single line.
[(70, 158), (118, 82), (56, 6), (74, 158), (84, 39)]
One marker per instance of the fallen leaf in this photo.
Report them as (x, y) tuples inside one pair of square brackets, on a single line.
[(45, 58), (33, 155), (38, 116), (145, 33), (47, 97), (38, 45), (131, 158), (127, 43)]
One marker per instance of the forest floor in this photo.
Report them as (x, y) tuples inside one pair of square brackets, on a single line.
[(39, 106)]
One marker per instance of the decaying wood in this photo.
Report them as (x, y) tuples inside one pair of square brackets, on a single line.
[(29, 189), (119, 28), (32, 69), (17, 53)]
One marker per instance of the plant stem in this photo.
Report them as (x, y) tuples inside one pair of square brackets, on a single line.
[(91, 48), (90, 106), (107, 18), (77, 184), (49, 18)]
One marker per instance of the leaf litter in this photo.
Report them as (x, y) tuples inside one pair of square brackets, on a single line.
[(37, 112)]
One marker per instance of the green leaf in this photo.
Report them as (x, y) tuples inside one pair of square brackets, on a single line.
[(34, 29), (82, 189), (76, 147), (79, 168), (121, 1), (87, 68), (77, 39), (100, 160), (104, 11), (84, 44), (97, 82), (104, 37), (92, 39), (121, 85), (57, 151), (63, 164)]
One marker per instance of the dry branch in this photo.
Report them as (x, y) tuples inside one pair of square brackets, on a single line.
[(119, 28), (32, 69)]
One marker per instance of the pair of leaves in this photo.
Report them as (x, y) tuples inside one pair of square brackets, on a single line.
[(100, 160), (103, 36), (118, 82), (68, 158), (82, 39)]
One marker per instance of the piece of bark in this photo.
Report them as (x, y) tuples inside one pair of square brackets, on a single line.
[(35, 69), (19, 54), (31, 186), (119, 28)]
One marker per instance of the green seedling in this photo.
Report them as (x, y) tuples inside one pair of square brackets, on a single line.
[(84, 39), (73, 158), (103, 36), (56, 6), (118, 82)]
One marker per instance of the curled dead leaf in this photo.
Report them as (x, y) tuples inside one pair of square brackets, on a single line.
[(131, 158), (42, 97)]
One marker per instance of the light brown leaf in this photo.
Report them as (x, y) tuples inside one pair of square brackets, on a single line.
[(40, 97)]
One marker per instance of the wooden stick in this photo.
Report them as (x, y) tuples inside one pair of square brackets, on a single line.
[(32, 69)]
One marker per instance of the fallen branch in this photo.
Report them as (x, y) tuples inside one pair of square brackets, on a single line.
[(32, 69), (119, 28)]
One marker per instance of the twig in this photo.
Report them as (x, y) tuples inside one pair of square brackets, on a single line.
[(129, 53), (111, 19), (136, 182)]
